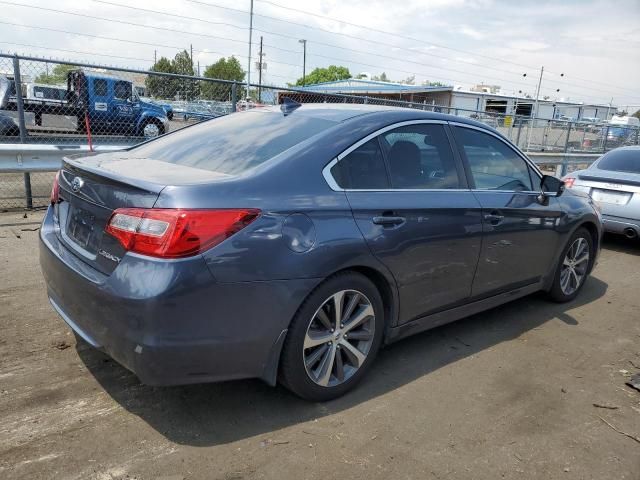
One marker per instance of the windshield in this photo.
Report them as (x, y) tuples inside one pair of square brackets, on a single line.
[(234, 143), (621, 161)]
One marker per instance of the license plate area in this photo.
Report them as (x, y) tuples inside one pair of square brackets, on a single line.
[(610, 196), (81, 226)]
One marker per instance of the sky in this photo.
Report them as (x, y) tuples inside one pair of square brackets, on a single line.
[(590, 50)]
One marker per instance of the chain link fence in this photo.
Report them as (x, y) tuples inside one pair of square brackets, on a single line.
[(69, 103)]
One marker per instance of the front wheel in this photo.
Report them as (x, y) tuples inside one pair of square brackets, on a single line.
[(574, 267), (333, 338), (152, 128)]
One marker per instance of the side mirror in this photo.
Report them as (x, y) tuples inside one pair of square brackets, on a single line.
[(550, 185)]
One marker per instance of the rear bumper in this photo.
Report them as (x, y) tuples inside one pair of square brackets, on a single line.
[(169, 322), (620, 224)]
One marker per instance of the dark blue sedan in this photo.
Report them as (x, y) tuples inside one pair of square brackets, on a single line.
[(290, 243)]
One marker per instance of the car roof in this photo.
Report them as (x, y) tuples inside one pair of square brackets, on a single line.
[(339, 112)]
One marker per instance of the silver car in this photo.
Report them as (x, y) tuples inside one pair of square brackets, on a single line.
[(613, 181)]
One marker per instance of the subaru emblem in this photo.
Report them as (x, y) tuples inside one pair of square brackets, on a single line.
[(77, 184)]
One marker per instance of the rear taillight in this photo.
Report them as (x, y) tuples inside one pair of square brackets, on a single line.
[(55, 189), (175, 233), (569, 181)]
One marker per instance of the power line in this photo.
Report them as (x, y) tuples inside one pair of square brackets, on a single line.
[(148, 10), (74, 51), (68, 32), (390, 45), (240, 41), (319, 43), (122, 21), (417, 40), (413, 51)]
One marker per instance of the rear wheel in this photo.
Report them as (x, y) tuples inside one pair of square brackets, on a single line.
[(333, 338), (573, 268)]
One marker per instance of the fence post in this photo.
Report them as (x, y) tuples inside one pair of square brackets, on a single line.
[(234, 96), (18, 87), (566, 141), (22, 125), (519, 132), (638, 136), (604, 140)]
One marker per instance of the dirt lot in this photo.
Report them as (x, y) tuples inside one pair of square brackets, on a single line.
[(505, 394)]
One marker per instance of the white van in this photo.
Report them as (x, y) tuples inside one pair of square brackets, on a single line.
[(626, 120)]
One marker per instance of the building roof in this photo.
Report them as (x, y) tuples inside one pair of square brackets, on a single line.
[(353, 85), (522, 99)]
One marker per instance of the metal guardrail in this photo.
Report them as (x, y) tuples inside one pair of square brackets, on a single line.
[(22, 163), (46, 158), (18, 158)]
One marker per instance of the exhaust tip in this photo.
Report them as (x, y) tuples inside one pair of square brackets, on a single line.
[(630, 233)]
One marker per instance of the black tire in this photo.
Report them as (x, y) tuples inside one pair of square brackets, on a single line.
[(556, 292), (293, 374)]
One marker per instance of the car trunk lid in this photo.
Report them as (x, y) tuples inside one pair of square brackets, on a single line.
[(613, 191), (93, 187)]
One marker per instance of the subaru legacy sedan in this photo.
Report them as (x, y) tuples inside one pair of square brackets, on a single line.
[(290, 243)]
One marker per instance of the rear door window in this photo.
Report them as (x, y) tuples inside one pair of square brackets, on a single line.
[(420, 157), (493, 164), (362, 169)]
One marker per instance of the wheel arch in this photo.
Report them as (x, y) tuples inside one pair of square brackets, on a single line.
[(384, 283), (595, 237), (146, 119)]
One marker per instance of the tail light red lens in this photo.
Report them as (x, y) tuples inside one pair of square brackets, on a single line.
[(176, 233), (55, 189), (568, 182)]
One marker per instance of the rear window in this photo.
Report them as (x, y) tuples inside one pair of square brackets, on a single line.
[(621, 161), (234, 143)]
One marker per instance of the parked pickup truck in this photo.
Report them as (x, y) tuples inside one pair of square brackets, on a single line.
[(110, 104)]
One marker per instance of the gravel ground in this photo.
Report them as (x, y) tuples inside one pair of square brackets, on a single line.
[(509, 393)]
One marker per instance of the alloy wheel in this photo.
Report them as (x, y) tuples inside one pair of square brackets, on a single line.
[(574, 266), (339, 338)]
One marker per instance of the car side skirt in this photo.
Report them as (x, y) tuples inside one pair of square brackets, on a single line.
[(447, 316)]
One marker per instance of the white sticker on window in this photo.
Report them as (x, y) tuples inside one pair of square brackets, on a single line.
[(100, 106)]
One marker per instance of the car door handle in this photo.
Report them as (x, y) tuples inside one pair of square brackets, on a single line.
[(389, 221), (494, 218)]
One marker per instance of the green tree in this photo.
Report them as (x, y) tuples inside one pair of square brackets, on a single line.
[(637, 114), (159, 86), (223, 69), (381, 78), (434, 84), (183, 65), (57, 76), (320, 75)]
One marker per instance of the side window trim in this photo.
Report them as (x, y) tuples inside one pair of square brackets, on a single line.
[(532, 166), (326, 171)]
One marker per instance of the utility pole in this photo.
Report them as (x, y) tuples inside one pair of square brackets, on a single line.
[(260, 66), (535, 109), (304, 58), (250, 40), (191, 56), (155, 57), (198, 67)]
